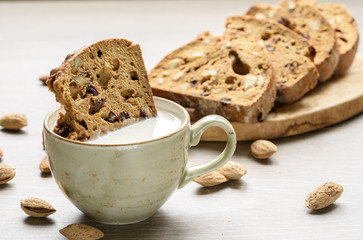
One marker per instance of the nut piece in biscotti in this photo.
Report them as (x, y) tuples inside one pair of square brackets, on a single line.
[(307, 21), (323, 196), (291, 54), (262, 11), (231, 78), (346, 30), (102, 87)]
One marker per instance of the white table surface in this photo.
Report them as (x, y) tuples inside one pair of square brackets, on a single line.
[(268, 203)]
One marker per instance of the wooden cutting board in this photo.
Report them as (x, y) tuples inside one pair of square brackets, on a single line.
[(331, 102)]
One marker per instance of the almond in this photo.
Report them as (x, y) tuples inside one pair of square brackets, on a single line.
[(232, 170), (6, 173), (44, 78), (211, 179), (36, 207), (44, 165), (13, 121), (323, 196), (263, 149), (78, 231)]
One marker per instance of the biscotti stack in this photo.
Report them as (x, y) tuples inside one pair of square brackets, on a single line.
[(101, 87), (346, 30), (289, 48), (290, 53), (317, 23), (232, 78)]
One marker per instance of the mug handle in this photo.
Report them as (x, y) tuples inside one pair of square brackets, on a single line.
[(197, 129)]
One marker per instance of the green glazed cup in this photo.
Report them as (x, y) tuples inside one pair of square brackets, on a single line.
[(127, 183)]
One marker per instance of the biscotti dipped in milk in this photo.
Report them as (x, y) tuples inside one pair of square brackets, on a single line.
[(101, 87), (233, 78)]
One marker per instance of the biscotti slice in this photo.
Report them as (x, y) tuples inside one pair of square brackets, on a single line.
[(291, 55), (346, 29), (102, 87), (307, 21), (230, 78)]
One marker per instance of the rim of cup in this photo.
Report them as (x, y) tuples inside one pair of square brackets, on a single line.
[(180, 128)]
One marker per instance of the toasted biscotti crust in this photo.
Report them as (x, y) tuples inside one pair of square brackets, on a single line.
[(291, 55), (307, 21), (232, 78), (102, 87), (346, 29)]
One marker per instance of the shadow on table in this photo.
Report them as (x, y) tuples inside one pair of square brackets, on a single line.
[(38, 221), (325, 210), (45, 175), (6, 186), (234, 184), (19, 132), (156, 227)]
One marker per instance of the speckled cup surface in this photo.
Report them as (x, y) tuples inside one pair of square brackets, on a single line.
[(127, 183)]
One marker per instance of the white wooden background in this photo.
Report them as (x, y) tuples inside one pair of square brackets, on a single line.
[(268, 203)]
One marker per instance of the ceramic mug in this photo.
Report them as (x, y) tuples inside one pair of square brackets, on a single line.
[(127, 183)]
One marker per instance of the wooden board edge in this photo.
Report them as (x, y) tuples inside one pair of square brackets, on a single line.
[(304, 121), (288, 127)]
